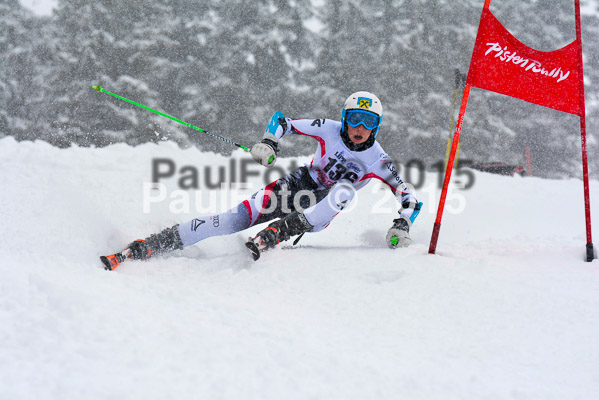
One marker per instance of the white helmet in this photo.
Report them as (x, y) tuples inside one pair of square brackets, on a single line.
[(367, 104)]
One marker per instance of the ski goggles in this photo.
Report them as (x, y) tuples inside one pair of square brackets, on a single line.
[(359, 117)]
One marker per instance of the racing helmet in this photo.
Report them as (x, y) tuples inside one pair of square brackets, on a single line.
[(362, 108)]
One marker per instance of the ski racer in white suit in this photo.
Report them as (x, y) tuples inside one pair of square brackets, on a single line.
[(347, 157)]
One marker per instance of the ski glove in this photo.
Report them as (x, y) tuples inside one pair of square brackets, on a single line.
[(398, 235), (265, 152)]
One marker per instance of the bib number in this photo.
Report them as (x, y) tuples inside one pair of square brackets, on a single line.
[(337, 170)]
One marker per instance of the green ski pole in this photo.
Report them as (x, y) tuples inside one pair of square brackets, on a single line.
[(102, 90)]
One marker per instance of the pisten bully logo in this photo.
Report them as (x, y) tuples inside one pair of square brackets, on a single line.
[(533, 66)]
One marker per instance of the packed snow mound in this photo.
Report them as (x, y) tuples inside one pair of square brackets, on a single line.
[(506, 309)]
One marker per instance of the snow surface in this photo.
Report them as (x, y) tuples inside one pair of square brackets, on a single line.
[(508, 309), (42, 8)]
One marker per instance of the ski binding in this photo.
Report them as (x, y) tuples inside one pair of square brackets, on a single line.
[(256, 246), (114, 260)]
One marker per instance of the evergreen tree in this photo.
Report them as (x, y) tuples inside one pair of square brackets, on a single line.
[(19, 72)]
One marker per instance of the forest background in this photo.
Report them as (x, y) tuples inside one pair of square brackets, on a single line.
[(227, 65)]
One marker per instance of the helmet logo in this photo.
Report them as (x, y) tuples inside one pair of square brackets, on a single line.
[(364, 102)]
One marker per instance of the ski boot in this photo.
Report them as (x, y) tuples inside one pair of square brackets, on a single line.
[(277, 232), (163, 242)]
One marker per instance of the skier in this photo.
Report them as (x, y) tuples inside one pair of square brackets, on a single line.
[(307, 199)]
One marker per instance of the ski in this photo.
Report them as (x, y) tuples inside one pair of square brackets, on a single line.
[(114, 260)]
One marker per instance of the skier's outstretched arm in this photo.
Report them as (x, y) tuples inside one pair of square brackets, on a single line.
[(266, 151)]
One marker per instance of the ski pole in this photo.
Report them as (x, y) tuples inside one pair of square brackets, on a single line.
[(101, 89)]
